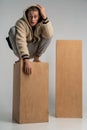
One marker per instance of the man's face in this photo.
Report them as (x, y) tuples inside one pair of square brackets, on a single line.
[(33, 17)]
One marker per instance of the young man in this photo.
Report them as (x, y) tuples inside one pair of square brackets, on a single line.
[(31, 35)]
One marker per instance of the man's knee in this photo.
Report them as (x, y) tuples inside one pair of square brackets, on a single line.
[(12, 31)]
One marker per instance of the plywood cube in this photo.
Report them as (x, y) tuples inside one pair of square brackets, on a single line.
[(30, 93), (69, 78)]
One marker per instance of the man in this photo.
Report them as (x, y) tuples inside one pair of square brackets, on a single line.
[(31, 35)]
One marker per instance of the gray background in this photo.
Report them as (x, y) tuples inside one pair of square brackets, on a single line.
[(69, 19)]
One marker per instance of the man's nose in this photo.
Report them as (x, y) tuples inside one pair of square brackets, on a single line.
[(32, 18)]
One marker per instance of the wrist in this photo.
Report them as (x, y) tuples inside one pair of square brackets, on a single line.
[(25, 56), (46, 20), (44, 17), (25, 60)]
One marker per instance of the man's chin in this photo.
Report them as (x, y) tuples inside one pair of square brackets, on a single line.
[(32, 25)]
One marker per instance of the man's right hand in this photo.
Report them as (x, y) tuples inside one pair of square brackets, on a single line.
[(27, 67)]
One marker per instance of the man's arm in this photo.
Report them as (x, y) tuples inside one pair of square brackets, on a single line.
[(22, 46), (47, 28)]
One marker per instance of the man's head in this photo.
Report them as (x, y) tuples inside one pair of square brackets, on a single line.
[(33, 15)]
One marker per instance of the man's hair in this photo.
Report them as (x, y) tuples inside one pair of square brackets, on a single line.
[(32, 8)]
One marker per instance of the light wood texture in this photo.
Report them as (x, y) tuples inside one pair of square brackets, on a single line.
[(69, 78), (30, 93)]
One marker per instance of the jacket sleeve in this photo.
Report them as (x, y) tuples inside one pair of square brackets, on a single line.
[(21, 40), (47, 29)]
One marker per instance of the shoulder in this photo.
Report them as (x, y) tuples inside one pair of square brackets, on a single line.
[(21, 23)]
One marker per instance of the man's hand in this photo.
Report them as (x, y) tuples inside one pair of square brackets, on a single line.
[(27, 67), (42, 11)]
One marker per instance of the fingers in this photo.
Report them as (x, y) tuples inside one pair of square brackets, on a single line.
[(39, 6), (28, 71), (42, 11)]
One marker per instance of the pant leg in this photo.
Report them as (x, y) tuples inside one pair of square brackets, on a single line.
[(12, 39), (43, 44), (38, 48), (32, 47)]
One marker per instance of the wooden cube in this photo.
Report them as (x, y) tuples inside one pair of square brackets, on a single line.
[(30, 93), (69, 78)]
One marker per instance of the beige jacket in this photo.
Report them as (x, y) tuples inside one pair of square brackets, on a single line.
[(25, 34)]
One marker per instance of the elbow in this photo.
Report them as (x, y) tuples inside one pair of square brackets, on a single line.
[(50, 35)]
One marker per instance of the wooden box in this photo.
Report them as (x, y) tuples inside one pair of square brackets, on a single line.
[(69, 78), (30, 93)]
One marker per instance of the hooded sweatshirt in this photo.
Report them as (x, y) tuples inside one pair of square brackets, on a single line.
[(26, 35)]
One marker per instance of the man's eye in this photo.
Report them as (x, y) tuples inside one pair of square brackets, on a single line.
[(35, 16)]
